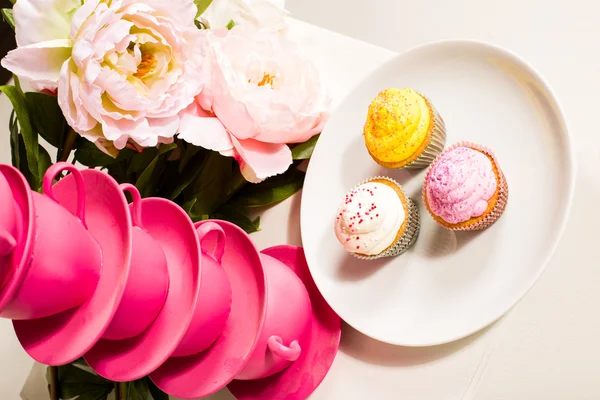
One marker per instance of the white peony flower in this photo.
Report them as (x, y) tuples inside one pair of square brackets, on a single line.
[(123, 69)]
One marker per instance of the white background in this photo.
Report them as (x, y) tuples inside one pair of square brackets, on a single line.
[(547, 347)]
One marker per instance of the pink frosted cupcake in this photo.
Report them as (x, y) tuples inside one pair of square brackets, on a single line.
[(465, 188)]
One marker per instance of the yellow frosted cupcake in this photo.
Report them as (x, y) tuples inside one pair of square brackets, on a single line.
[(403, 130)]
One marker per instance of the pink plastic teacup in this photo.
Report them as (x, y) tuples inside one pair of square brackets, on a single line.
[(214, 299), (9, 215), (9, 226), (148, 281), (286, 325), (66, 261)]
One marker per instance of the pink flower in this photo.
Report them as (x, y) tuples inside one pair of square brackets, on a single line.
[(127, 67), (259, 94)]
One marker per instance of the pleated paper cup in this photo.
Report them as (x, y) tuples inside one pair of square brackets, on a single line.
[(437, 141), (490, 217), (408, 236)]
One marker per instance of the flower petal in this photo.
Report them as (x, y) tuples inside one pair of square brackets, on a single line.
[(39, 63), (70, 102), (182, 12), (43, 20), (109, 36), (259, 161), (107, 147), (200, 129), (82, 15)]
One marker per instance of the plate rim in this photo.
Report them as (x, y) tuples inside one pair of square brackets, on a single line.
[(570, 174)]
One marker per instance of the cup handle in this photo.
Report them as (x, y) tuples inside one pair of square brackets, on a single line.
[(7, 243), (211, 227), (51, 174), (136, 213), (291, 353)]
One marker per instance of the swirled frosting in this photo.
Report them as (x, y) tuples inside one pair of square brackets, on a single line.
[(460, 184), (369, 219), (397, 125)]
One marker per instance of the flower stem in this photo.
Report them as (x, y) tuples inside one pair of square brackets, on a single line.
[(68, 146), (54, 384), (118, 393), (121, 391)]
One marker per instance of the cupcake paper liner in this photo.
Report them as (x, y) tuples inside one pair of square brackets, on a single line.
[(436, 142), (411, 231), (500, 206)]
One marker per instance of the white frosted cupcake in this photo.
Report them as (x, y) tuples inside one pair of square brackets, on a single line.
[(377, 220)]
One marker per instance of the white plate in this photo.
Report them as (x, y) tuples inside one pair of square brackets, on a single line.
[(449, 285)]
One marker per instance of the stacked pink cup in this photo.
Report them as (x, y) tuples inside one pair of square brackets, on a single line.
[(140, 290)]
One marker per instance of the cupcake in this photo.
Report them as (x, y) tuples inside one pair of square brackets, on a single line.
[(377, 220), (465, 188), (403, 130)]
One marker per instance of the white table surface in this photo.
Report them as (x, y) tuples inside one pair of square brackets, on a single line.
[(546, 347)]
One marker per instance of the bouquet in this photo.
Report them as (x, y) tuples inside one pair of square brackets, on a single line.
[(187, 100), (207, 103)]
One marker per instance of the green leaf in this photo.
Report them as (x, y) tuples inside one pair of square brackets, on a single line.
[(166, 148), (8, 17), (33, 180), (81, 362), (210, 187), (230, 25), (44, 161), (119, 169), (188, 205), (189, 173), (271, 191), (202, 6), (90, 155), (138, 390), (46, 117), (74, 381), (156, 393), (30, 138), (140, 160), (148, 180), (188, 155), (237, 182), (14, 139), (238, 216), (18, 85), (303, 151)]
